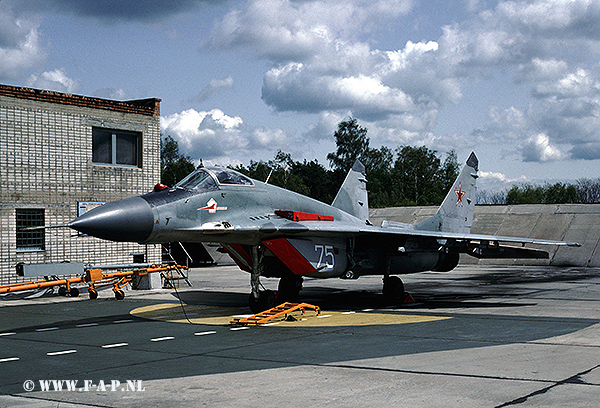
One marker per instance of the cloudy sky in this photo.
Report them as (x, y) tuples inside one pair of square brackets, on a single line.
[(518, 82)]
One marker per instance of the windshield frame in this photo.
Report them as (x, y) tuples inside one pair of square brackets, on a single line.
[(217, 171), (208, 183)]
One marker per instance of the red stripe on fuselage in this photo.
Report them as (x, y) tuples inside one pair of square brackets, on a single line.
[(290, 256), (240, 256)]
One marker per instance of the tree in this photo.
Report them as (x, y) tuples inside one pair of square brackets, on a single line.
[(352, 144), (378, 164), (450, 170), (418, 176), (173, 165)]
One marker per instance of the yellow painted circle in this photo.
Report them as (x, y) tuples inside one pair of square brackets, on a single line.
[(212, 315)]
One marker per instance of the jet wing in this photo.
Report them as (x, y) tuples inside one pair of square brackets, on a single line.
[(284, 227), (472, 237)]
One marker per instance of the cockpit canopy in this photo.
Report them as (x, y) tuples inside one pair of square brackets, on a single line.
[(209, 178)]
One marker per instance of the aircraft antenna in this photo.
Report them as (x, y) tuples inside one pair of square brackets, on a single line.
[(269, 176)]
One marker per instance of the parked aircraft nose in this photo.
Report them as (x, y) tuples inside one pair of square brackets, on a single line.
[(128, 220)]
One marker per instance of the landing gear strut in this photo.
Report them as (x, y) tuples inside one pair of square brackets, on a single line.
[(259, 300)]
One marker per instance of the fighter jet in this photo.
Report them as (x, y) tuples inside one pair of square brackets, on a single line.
[(273, 232)]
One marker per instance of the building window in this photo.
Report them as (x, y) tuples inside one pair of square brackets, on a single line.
[(118, 147), (30, 240)]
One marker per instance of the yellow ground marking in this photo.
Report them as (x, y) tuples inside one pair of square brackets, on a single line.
[(220, 316)]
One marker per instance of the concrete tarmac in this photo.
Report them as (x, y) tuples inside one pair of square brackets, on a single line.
[(479, 336)]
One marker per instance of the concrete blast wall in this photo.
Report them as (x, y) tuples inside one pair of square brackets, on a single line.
[(562, 222)]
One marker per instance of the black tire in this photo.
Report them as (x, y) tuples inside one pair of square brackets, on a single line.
[(266, 300), (74, 292), (393, 290), (62, 291), (119, 295), (93, 294), (289, 289)]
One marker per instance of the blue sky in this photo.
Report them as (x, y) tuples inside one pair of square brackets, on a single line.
[(518, 82)]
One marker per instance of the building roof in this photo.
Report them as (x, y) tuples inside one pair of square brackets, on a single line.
[(150, 107)]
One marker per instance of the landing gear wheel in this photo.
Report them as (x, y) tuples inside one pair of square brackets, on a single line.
[(93, 294), (289, 289), (266, 300), (62, 291), (393, 290), (74, 292), (119, 295)]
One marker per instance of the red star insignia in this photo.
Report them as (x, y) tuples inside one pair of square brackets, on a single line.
[(459, 195)]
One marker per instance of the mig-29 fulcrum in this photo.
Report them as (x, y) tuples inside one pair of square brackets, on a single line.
[(273, 232)]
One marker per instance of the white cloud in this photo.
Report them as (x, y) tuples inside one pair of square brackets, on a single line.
[(542, 70), (538, 148), (287, 30), (491, 176), (322, 61), (218, 138), (55, 80), (112, 93), (213, 87), (572, 85), (204, 134), (19, 45)]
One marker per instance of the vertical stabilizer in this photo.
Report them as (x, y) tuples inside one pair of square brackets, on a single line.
[(353, 197), (456, 212)]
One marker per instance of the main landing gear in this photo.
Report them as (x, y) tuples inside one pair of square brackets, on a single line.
[(393, 291), (260, 300)]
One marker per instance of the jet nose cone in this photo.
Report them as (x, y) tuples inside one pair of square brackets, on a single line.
[(128, 220)]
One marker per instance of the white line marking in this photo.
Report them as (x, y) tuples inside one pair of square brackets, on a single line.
[(239, 328), (87, 325), (205, 333), (115, 345), (7, 334), (46, 329), (271, 324), (323, 316), (123, 321), (58, 353), (162, 338), (346, 313), (4, 360), (368, 310)]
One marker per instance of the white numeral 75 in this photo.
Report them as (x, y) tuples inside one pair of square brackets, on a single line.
[(325, 254)]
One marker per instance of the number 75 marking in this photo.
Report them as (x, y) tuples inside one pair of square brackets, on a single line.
[(325, 254)]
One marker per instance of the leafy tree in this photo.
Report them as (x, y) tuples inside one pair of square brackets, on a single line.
[(352, 143), (173, 165), (317, 179), (588, 190), (450, 169), (378, 164), (418, 176), (278, 172), (558, 193)]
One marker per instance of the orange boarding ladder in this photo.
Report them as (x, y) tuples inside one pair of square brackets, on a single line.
[(282, 310)]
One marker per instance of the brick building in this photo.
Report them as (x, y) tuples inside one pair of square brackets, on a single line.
[(61, 154)]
